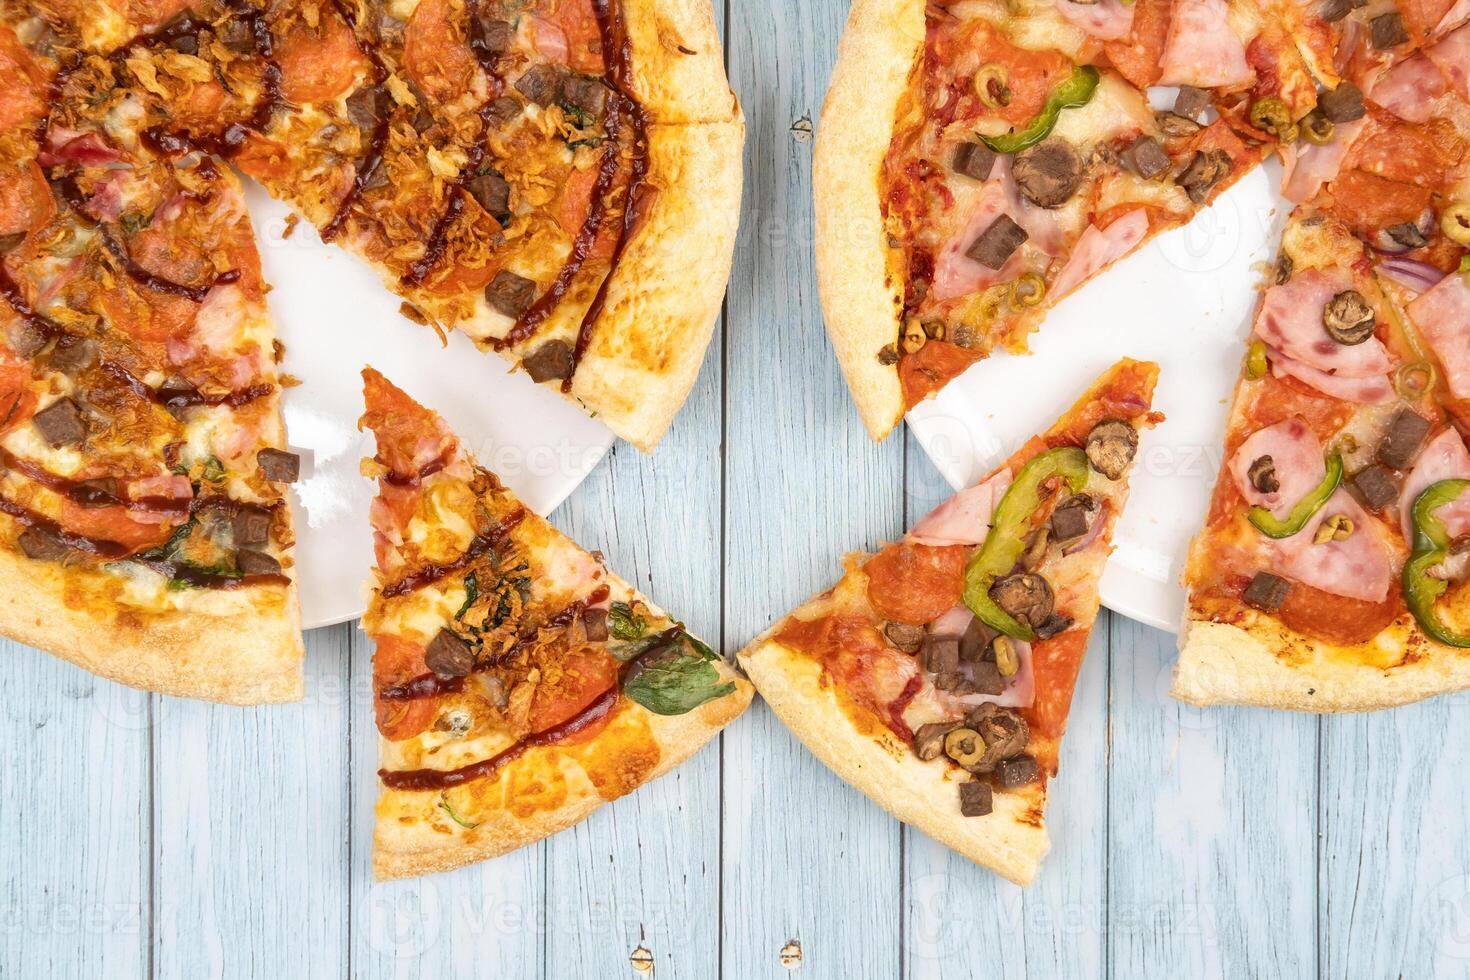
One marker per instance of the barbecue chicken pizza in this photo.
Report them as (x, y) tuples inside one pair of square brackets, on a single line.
[(937, 674), (519, 684)]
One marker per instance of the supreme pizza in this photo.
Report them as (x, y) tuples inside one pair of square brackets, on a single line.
[(937, 674), (559, 179), (1330, 573), (519, 684), (979, 160), (144, 530)]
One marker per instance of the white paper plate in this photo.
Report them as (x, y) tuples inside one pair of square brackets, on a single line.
[(1186, 301), (334, 316)]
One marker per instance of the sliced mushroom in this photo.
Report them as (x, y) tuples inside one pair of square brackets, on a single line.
[(1262, 474), (929, 740), (1004, 732), (1285, 266), (1026, 596), (1204, 170), (1048, 173), (1174, 125), (1348, 318), (43, 545), (1111, 446)]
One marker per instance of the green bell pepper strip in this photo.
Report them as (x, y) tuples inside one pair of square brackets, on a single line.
[(1007, 538), (1075, 91), (1431, 546), (1273, 527)]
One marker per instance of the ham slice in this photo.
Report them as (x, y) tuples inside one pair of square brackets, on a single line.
[(1020, 690), (1295, 453), (1201, 49), (1409, 89), (1096, 250), (1290, 321), (1308, 167), (1452, 56), (1375, 390), (1444, 458), (1360, 567), (1106, 20), (965, 517), (1442, 315), (550, 40), (1457, 14), (956, 274)]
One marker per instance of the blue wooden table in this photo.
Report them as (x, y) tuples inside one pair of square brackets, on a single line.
[(148, 837)]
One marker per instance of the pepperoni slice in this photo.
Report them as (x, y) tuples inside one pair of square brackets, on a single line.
[(409, 435), (263, 158), (17, 401), (1367, 203), (23, 96), (114, 524), (1056, 663), (397, 661), (935, 365), (1032, 74), (1419, 153), (1138, 58), (435, 54), (1336, 619), (25, 198), (577, 23), (576, 202), (319, 64), (870, 671), (916, 583), (569, 686)]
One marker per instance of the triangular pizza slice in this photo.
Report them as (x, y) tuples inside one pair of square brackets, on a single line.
[(519, 684), (936, 675)]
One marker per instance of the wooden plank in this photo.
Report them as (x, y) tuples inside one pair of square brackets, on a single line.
[(644, 871), (1395, 871), (1212, 824), (806, 857), (74, 812), (957, 915), (250, 806)]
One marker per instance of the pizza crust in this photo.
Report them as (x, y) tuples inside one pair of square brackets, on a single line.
[(666, 291), (678, 62), (253, 657), (414, 842), (1220, 663), (1010, 841), (862, 295)]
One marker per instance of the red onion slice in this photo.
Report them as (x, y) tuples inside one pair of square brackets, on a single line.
[(1410, 273)]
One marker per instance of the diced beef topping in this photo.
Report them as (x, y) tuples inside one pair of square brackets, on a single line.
[(102, 491), (585, 93), (278, 466), (941, 654), (252, 562), (448, 655), (1048, 172), (494, 37), (1004, 732), (1174, 125), (1401, 442), (1191, 102), (976, 798), (997, 242), (985, 677), (1204, 170), (42, 545), (1266, 592), (510, 294), (1072, 518), (1145, 157), (491, 191), (1017, 772), (905, 636), (1377, 486), (594, 622), (25, 338), (251, 526), (1333, 11), (552, 361), (1388, 31), (975, 644), (503, 110), (364, 106), (973, 160), (60, 423), (1342, 104), (541, 84), (1111, 446)]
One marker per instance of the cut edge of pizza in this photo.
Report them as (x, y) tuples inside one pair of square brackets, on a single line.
[(519, 684), (1299, 584), (893, 352), (976, 622)]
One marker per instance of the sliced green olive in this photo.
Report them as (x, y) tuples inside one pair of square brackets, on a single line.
[(1006, 660), (965, 746), (1029, 290), (1272, 115), (1255, 361), (1454, 221), (1338, 527), (993, 86), (1412, 380), (1317, 129)]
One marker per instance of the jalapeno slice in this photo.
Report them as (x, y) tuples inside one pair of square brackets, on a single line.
[(1273, 527), (1076, 91), (1007, 538), (1431, 546)]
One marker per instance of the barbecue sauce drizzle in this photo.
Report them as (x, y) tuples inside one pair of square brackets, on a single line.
[(432, 573), (377, 140)]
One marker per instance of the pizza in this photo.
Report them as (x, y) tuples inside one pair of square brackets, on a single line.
[(142, 459), (937, 674), (1330, 572), (558, 179), (518, 683), (979, 160)]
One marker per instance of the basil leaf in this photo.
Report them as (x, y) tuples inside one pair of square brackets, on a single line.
[(471, 593), (676, 684), (214, 470), (623, 623), (625, 650)]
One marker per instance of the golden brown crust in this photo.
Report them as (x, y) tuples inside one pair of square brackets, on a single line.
[(252, 657), (1220, 663), (414, 838), (678, 62), (666, 291), (1010, 841), (862, 296)]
